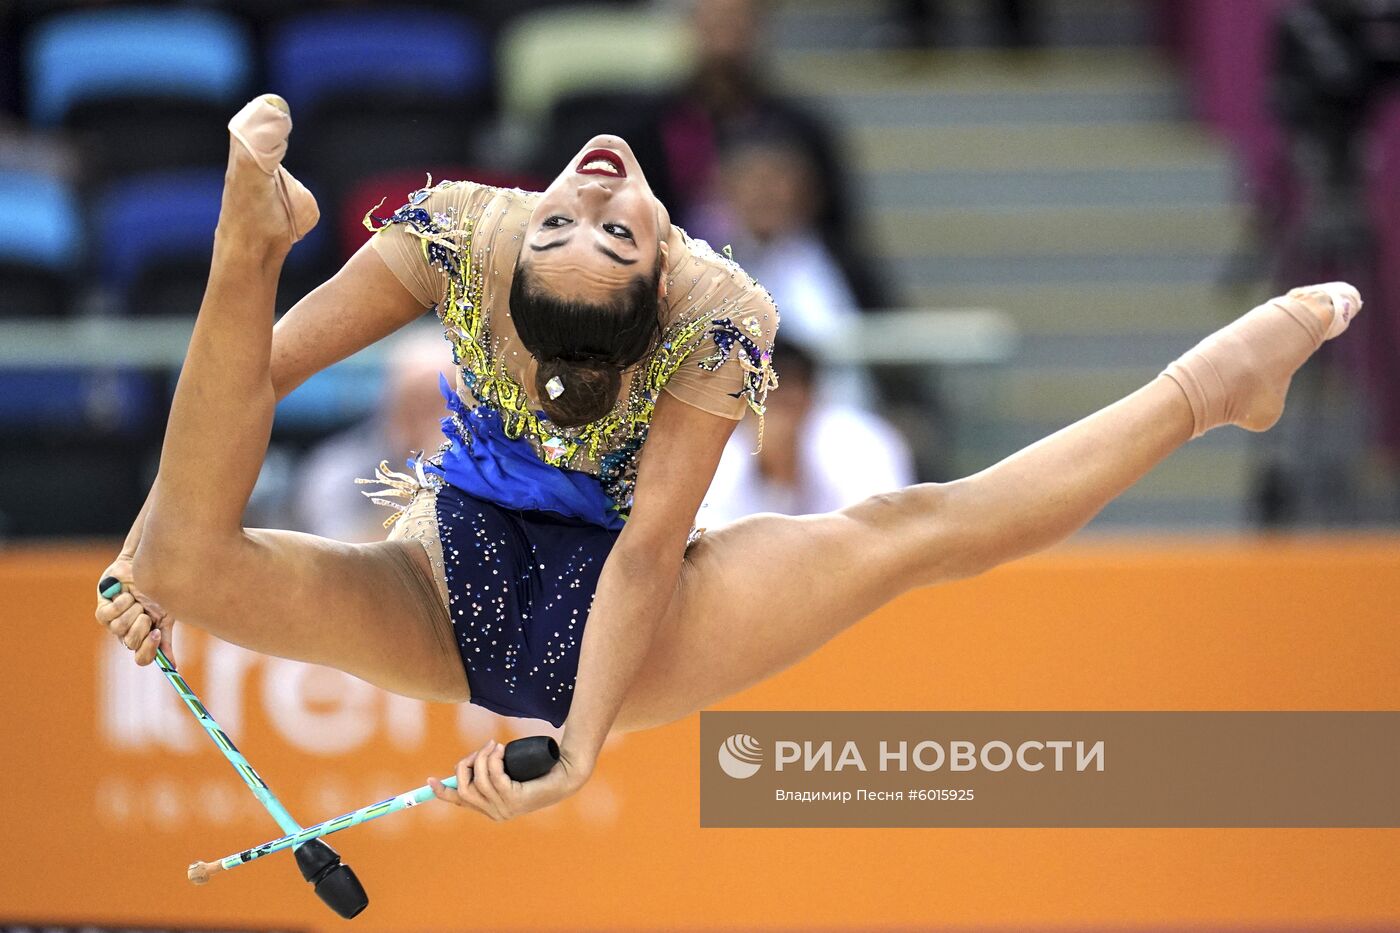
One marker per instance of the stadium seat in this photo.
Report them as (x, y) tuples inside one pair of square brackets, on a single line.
[(27, 290), (41, 242), (149, 219), (115, 135), (100, 478), (140, 88), (364, 58), (338, 151), (158, 51), (156, 235), (61, 400), (548, 54), (39, 219), (9, 70), (379, 90)]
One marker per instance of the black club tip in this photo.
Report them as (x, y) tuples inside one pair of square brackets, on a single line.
[(342, 892), (335, 883)]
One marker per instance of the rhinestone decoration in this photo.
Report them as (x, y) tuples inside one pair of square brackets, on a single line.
[(555, 448)]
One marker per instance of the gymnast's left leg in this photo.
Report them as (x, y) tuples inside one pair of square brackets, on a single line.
[(764, 592)]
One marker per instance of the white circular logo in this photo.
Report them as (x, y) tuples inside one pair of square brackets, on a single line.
[(740, 756)]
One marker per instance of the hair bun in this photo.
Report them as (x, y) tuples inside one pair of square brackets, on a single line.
[(590, 389)]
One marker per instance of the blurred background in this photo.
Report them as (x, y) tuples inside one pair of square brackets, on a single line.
[(982, 220)]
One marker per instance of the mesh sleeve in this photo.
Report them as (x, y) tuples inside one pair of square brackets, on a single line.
[(730, 370), (415, 241)]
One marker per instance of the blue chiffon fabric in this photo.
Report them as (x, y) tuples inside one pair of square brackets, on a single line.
[(507, 471)]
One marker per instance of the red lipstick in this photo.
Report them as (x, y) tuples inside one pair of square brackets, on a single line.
[(602, 155)]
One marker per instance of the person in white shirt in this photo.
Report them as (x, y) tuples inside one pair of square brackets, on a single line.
[(815, 457), (768, 217), (327, 500)]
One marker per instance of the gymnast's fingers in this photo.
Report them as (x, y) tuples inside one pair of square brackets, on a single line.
[(121, 625), (137, 632), (165, 630), (444, 793), (448, 794), (465, 773), (146, 651), (108, 610), (466, 786), (496, 772), (484, 781)]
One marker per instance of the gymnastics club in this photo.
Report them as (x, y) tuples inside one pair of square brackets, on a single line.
[(334, 882), (525, 760)]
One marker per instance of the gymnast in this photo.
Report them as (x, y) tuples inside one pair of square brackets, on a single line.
[(544, 562)]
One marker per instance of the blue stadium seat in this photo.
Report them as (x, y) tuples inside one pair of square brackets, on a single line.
[(158, 51), (60, 400), (379, 90), (155, 237), (41, 244), (41, 256), (158, 217), (39, 220), (421, 52)]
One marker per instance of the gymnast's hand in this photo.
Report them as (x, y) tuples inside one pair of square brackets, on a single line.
[(136, 620), (483, 785)]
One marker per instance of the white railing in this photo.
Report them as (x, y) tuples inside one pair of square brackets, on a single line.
[(906, 336)]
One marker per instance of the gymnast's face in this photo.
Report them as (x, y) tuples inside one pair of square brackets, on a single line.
[(598, 226)]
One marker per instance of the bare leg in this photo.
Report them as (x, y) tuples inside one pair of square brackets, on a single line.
[(727, 630), (371, 610), (823, 573)]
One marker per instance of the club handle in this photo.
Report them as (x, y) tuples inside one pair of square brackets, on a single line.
[(531, 757), (109, 587)]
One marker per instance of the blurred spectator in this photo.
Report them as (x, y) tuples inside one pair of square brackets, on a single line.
[(728, 99), (727, 95), (682, 135), (327, 500), (771, 197), (816, 456), (771, 192)]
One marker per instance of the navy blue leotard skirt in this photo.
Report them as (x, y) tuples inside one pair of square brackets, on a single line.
[(519, 584)]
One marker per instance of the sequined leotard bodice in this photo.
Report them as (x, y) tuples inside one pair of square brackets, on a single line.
[(455, 246)]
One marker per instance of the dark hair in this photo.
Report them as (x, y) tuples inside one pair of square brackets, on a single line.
[(585, 345)]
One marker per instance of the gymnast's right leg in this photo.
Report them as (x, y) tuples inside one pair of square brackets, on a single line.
[(758, 595), (371, 610)]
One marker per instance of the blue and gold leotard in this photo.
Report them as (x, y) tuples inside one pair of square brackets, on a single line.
[(519, 515)]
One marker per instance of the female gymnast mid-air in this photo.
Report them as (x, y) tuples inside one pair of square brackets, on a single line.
[(545, 562)]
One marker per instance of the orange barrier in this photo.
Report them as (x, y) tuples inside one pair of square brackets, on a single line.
[(111, 789)]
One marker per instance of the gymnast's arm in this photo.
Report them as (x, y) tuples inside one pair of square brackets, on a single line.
[(361, 304), (639, 578)]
